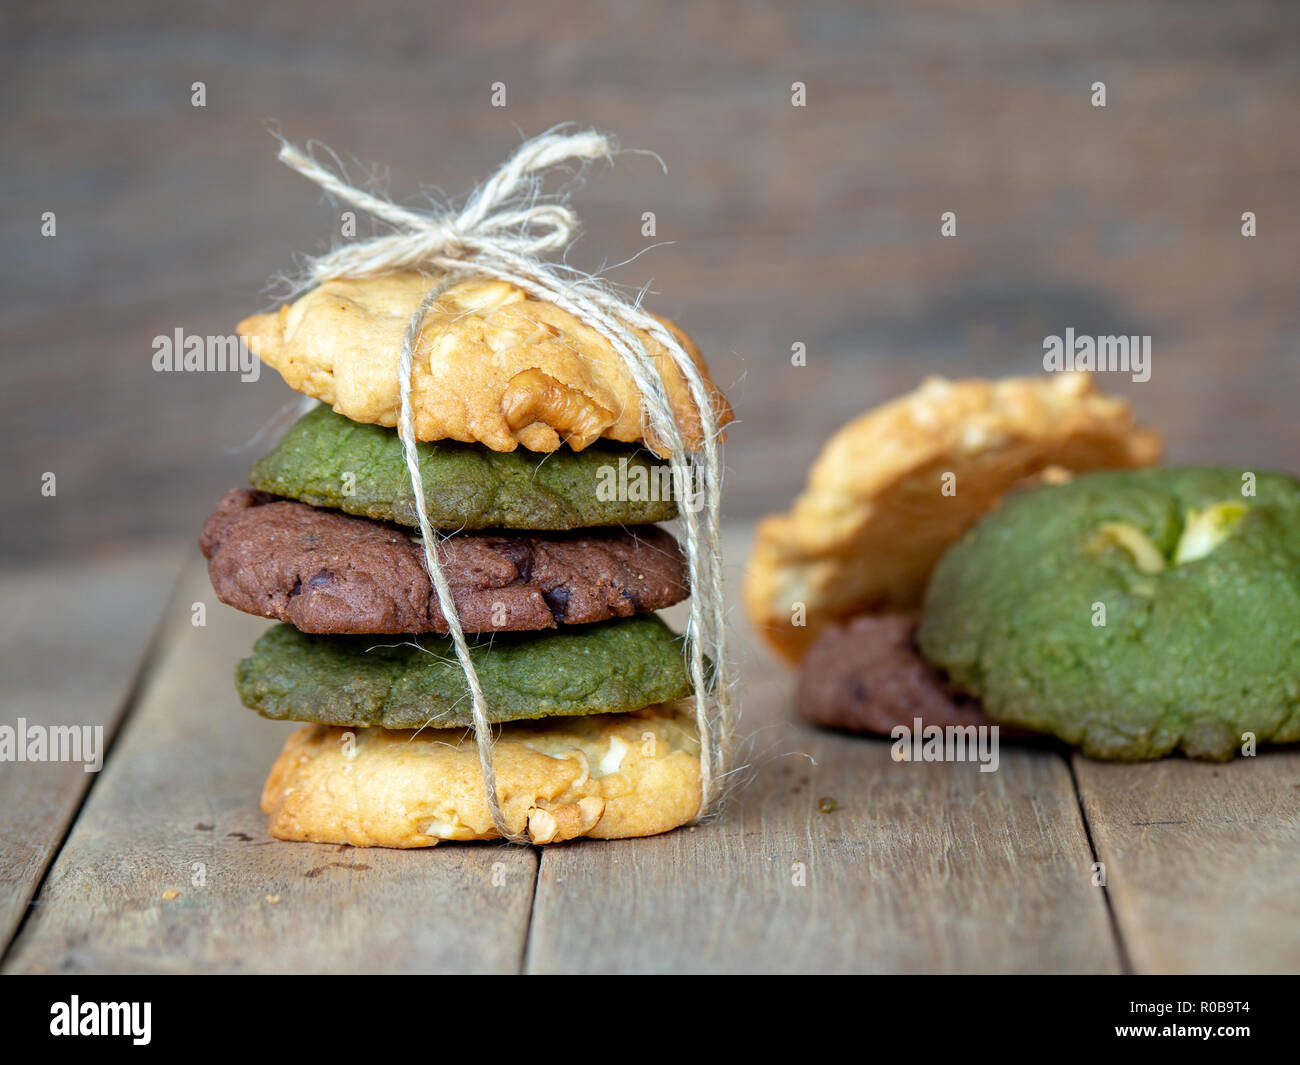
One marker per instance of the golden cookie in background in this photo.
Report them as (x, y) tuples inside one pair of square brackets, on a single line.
[(493, 366), (608, 776), (895, 488)]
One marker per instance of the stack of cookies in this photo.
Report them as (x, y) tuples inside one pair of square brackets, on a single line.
[(544, 493)]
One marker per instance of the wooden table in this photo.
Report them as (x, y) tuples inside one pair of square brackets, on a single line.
[(815, 225), (161, 861)]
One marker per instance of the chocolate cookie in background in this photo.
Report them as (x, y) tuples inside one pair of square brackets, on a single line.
[(887, 497), (865, 675), (534, 466)]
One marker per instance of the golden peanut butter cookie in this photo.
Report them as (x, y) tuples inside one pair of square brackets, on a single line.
[(893, 489), (611, 776), (493, 365)]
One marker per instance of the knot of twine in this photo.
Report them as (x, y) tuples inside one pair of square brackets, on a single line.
[(501, 233)]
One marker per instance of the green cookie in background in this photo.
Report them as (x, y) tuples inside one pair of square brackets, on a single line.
[(1131, 614), (399, 682), (328, 460)]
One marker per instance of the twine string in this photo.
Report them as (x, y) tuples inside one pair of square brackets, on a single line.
[(502, 232), (702, 544), (430, 540)]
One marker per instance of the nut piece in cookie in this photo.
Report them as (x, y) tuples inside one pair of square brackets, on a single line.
[(613, 776), (894, 489), (494, 366), (326, 572)]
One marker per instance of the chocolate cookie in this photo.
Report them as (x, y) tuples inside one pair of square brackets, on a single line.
[(416, 681), (329, 461), (326, 572), (867, 676)]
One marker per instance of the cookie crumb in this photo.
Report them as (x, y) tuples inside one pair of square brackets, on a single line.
[(171, 893), (827, 805)]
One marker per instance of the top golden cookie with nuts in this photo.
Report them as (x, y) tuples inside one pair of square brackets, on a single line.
[(493, 366), (894, 489)]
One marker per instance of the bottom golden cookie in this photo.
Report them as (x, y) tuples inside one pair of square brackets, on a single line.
[(608, 776)]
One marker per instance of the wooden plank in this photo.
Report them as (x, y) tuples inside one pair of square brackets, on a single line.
[(921, 867), (179, 797), (1202, 861), (71, 641), (819, 225)]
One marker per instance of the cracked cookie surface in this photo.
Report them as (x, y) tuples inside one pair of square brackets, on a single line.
[(895, 488), (414, 681), (1131, 614), (613, 776), (326, 572), (493, 366), (328, 461)]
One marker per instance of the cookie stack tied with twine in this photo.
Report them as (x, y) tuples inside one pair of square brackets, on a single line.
[(462, 553)]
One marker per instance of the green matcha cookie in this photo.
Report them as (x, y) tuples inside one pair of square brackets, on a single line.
[(329, 461), (1132, 613), (609, 667)]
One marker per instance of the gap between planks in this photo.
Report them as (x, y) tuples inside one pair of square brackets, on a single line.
[(75, 644), (1202, 860), (176, 810), (920, 868)]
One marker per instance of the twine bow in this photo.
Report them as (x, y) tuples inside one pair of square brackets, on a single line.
[(502, 232), (502, 215)]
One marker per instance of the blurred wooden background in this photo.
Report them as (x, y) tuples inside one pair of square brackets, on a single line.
[(816, 224)]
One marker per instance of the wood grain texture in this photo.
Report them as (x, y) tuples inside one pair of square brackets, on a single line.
[(817, 224), (71, 642), (182, 788), (919, 868), (1202, 861)]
